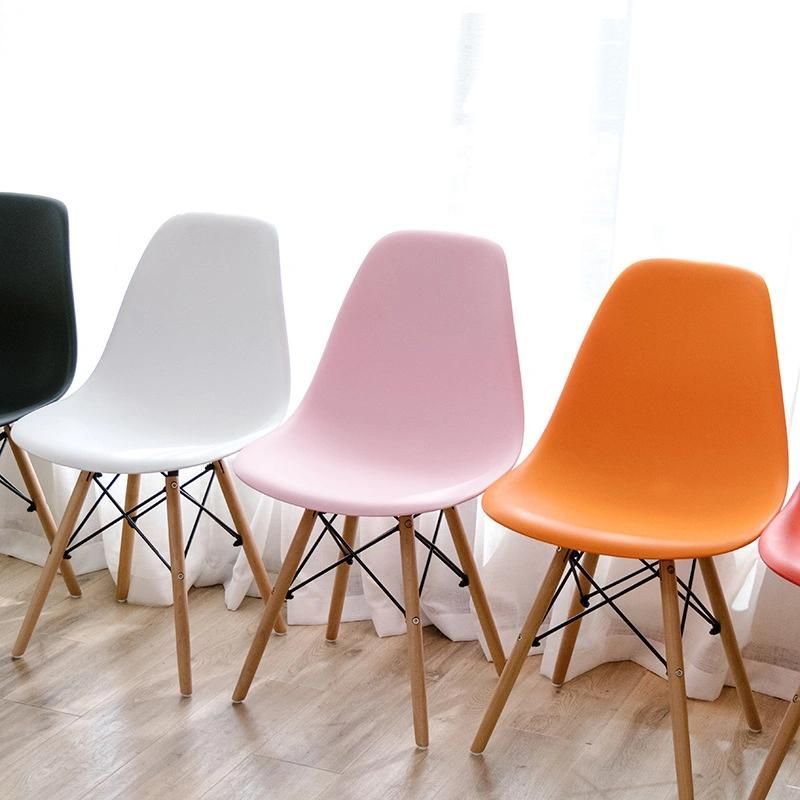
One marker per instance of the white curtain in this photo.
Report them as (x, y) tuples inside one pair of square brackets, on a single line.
[(581, 135)]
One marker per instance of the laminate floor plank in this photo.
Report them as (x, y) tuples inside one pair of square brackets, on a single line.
[(93, 713)]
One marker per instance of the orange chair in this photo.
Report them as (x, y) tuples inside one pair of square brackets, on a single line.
[(668, 442)]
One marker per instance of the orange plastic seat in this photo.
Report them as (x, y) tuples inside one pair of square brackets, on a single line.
[(668, 440)]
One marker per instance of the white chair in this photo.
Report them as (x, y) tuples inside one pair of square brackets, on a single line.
[(196, 366)]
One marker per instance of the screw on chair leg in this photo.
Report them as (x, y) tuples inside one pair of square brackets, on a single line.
[(416, 660), (242, 526), (180, 598), (273, 607), (340, 583), (520, 652), (126, 542), (479, 600), (570, 635), (729, 642), (677, 681), (51, 565), (778, 750), (42, 509)]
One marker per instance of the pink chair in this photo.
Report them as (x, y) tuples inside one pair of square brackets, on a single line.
[(779, 547), (416, 406)]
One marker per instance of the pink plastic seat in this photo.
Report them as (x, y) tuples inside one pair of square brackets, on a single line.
[(416, 404), (779, 544)]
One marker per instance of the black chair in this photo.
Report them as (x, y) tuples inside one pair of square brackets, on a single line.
[(38, 343)]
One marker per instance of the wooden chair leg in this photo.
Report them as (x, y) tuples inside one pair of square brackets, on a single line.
[(180, 604), (777, 752), (340, 583), (53, 560), (677, 683), (416, 660), (476, 590), (720, 608), (126, 542), (242, 526), (570, 634), (273, 607), (42, 509), (521, 649)]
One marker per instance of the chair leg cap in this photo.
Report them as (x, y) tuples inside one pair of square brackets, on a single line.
[(76, 596), (15, 658), (184, 694), (279, 633), (557, 685), (122, 599), (473, 753), (237, 702), (330, 641), (422, 747)]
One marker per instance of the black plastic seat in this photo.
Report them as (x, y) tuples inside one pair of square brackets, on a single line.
[(38, 345)]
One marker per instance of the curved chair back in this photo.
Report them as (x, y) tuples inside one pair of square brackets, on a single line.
[(201, 329), (676, 390), (38, 346), (422, 359)]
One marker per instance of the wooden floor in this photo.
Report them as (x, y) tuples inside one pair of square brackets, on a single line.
[(93, 711)]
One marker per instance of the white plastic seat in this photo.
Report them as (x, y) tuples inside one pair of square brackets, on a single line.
[(197, 366), (101, 430)]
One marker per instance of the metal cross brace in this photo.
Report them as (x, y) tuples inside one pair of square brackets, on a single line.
[(349, 555), (688, 596), (134, 514)]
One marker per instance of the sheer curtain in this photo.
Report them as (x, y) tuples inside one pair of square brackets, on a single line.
[(580, 135), (710, 168)]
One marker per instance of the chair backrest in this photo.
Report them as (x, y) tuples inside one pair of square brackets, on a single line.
[(38, 345), (201, 330), (422, 359), (677, 386)]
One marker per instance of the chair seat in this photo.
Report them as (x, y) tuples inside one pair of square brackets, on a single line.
[(361, 476), (629, 516), (779, 545), (91, 431)]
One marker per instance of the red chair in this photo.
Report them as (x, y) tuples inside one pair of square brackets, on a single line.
[(780, 549)]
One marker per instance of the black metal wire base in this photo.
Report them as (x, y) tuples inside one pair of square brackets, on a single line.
[(349, 555), (133, 515), (651, 571), (7, 483)]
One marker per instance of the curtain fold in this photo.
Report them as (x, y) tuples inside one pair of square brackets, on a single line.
[(582, 136)]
